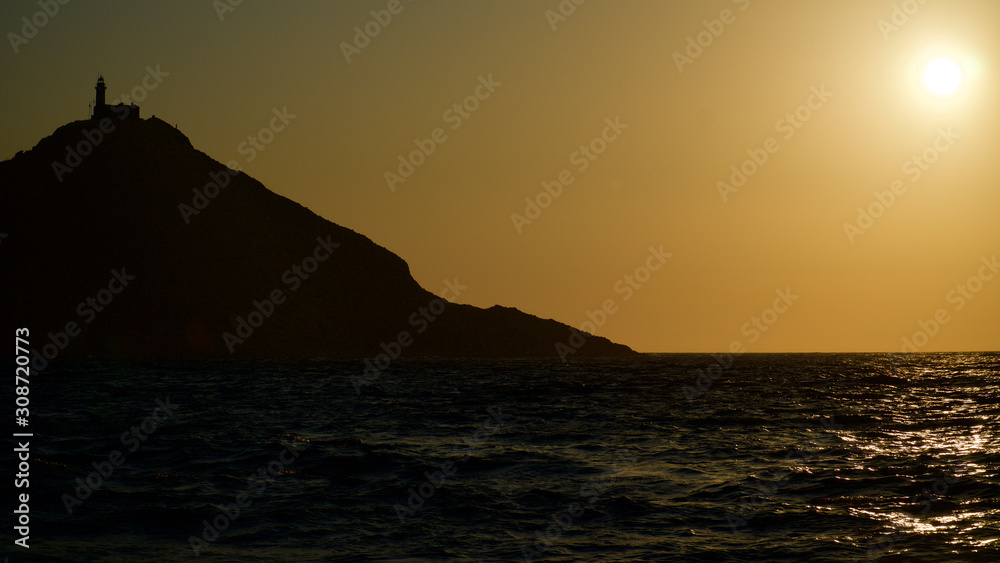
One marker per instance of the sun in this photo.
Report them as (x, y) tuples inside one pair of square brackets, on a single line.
[(942, 77)]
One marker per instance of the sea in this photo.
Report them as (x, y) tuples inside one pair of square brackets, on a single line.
[(663, 457)]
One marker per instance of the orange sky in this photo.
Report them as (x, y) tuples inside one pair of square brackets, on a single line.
[(632, 123)]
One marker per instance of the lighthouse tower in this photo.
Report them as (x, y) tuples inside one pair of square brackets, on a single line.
[(101, 88), (119, 111), (100, 106)]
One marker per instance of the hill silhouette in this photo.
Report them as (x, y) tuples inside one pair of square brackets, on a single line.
[(131, 243)]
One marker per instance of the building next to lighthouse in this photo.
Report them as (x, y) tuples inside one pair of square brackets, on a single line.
[(102, 109)]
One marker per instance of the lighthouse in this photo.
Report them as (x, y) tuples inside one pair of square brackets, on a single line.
[(102, 109), (101, 89)]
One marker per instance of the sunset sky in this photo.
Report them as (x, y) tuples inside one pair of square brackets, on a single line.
[(664, 97)]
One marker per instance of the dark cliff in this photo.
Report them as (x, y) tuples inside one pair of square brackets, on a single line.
[(78, 230)]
